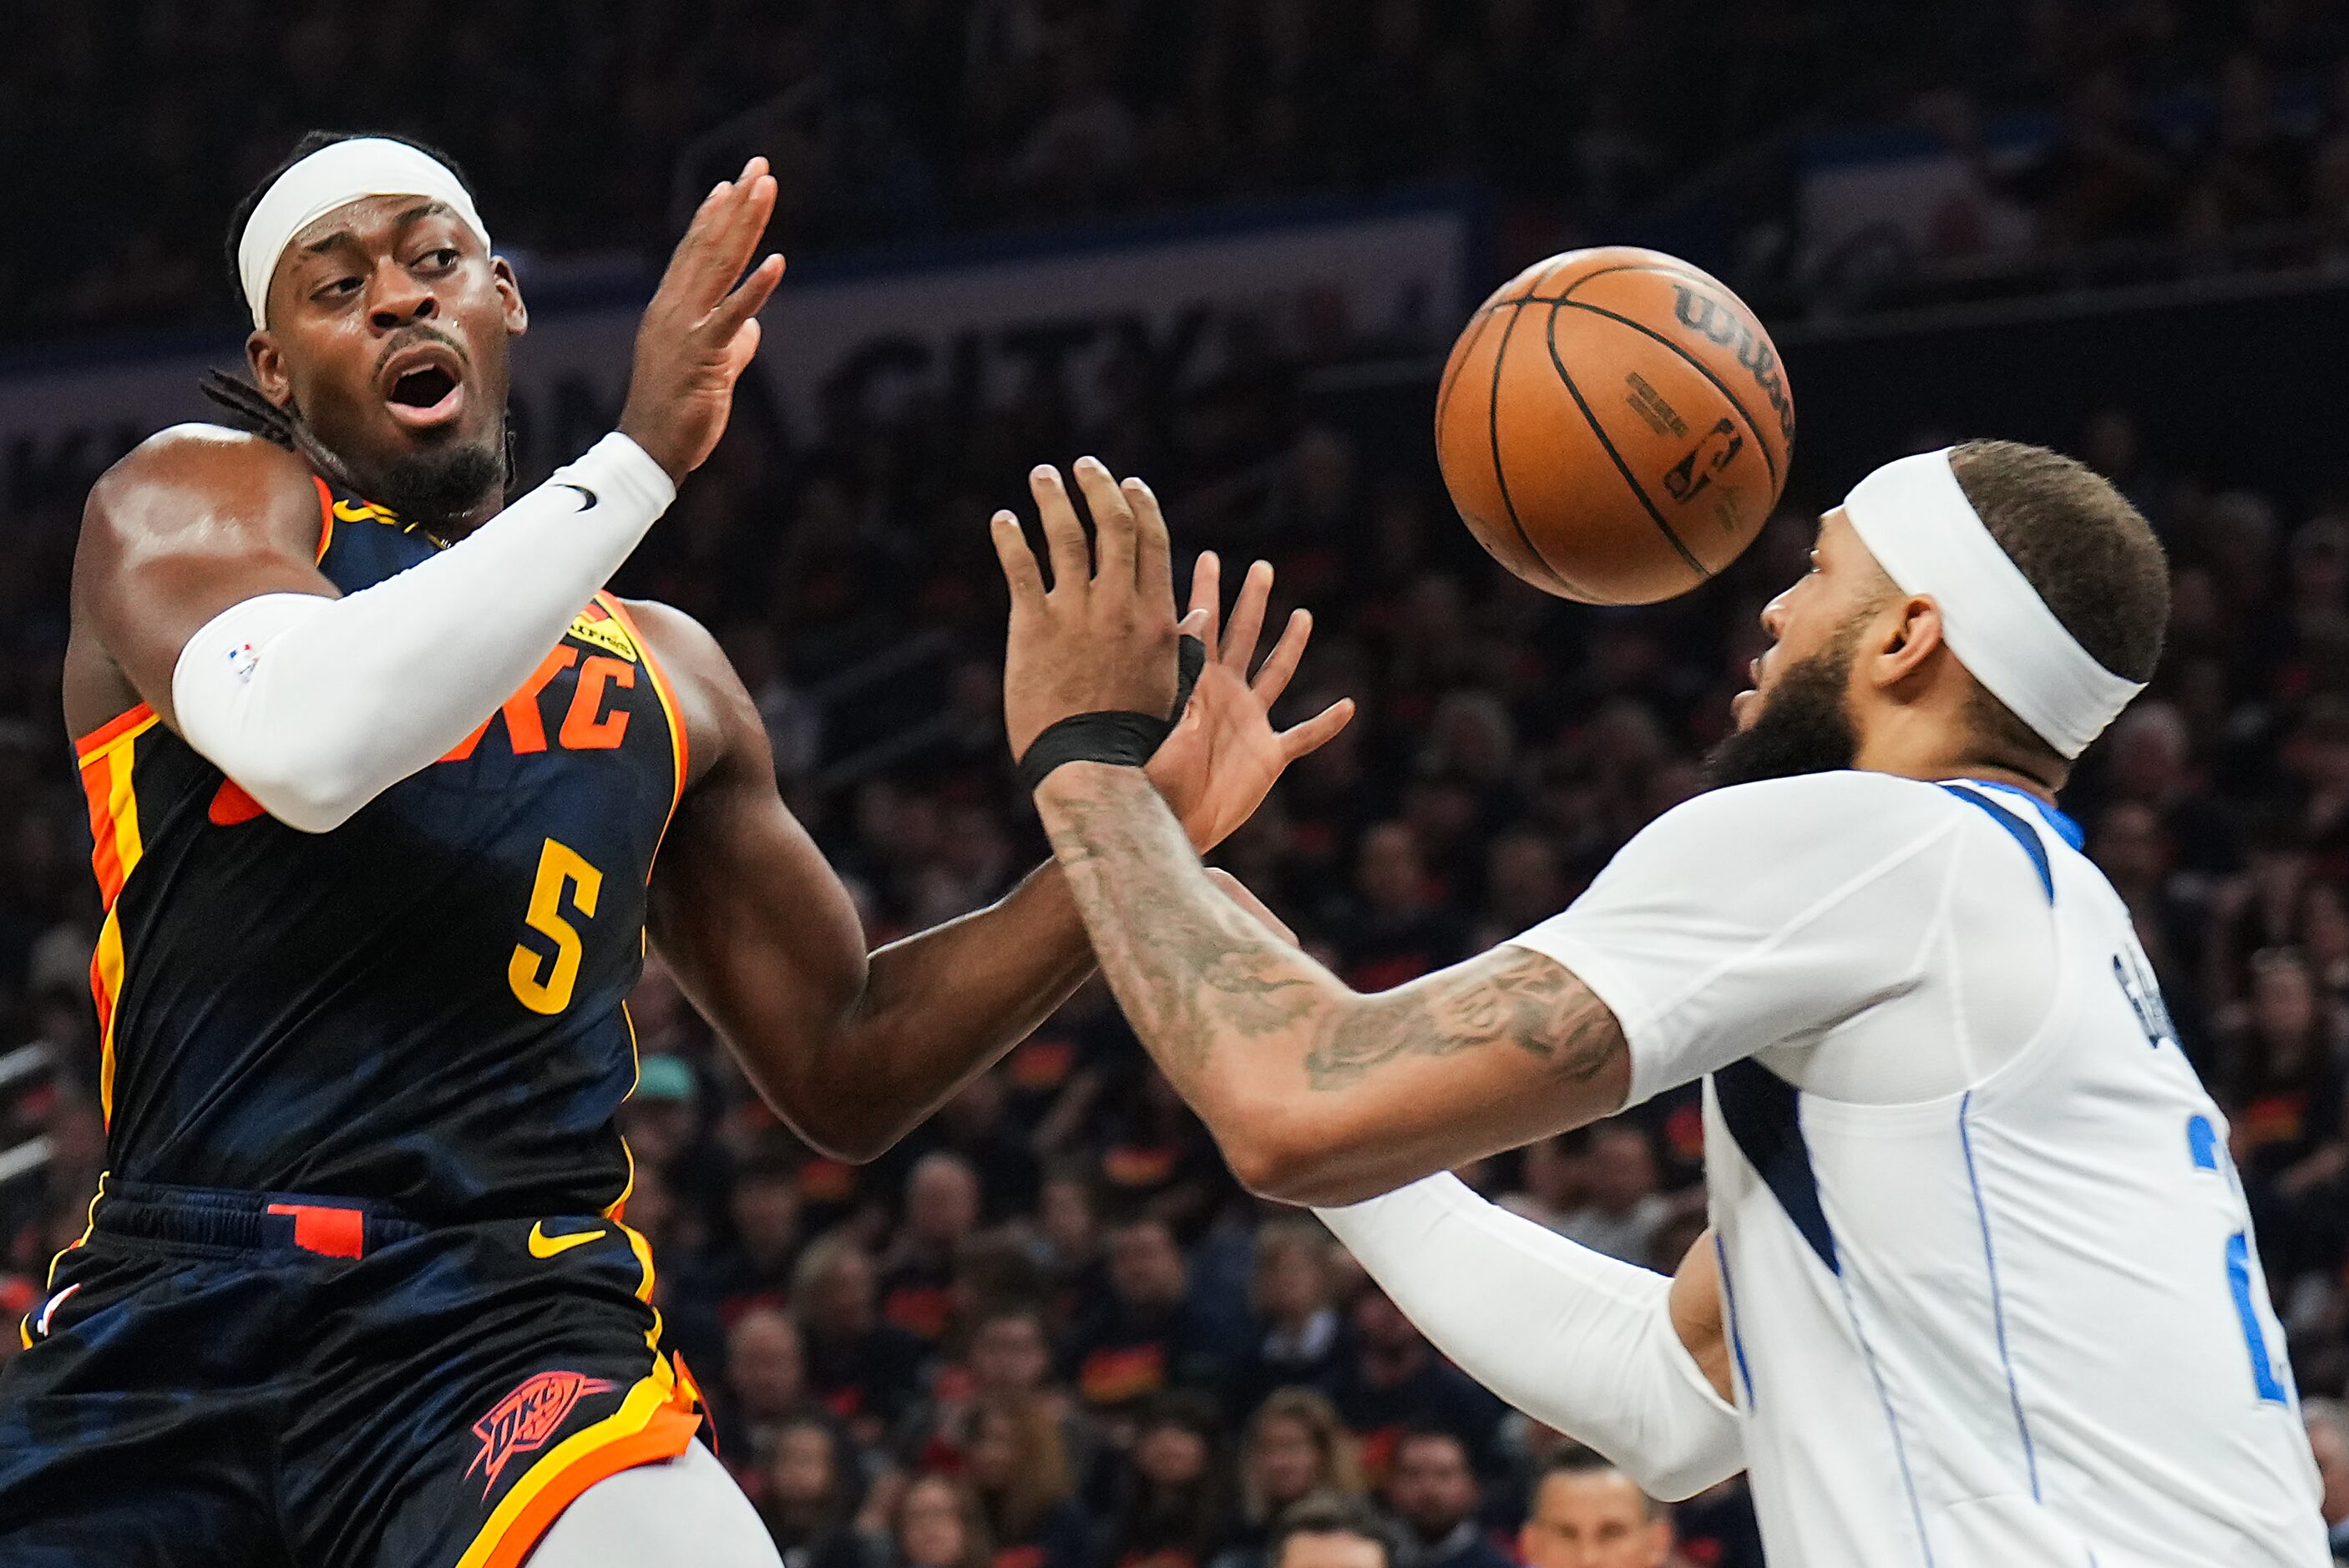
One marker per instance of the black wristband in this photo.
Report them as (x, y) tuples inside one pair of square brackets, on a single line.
[(1125, 739)]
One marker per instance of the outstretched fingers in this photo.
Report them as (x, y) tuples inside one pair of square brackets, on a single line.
[(1280, 664), (749, 298), (1113, 527), (1154, 557), (1248, 618), (1207, 596), (1064, 536), (1304, 739), (1021, 572)]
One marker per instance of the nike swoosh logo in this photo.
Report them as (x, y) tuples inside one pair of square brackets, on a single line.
[(592, 500), (542, 1246)]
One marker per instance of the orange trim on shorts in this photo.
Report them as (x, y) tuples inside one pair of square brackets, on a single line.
[(326, 515), (650, 1426)]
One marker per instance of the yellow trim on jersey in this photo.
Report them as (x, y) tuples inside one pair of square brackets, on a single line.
[(679, 753), (49, 1281), (106, 967), (119, 738), (116, 820)]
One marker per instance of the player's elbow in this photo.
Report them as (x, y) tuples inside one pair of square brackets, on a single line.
[(306, 800), (1277, 1154)]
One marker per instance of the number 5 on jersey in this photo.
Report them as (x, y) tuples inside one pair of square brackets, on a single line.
[(561, 871)]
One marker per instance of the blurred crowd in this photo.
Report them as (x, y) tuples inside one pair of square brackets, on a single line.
[(581, 123), (2112, 143), (1049, 1323)]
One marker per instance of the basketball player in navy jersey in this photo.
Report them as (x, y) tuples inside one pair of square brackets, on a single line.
[(376, 775)]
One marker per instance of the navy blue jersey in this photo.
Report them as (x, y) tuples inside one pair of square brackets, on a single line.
[(422, 1007)]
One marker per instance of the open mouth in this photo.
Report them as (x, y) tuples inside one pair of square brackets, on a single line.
[(424, 387)]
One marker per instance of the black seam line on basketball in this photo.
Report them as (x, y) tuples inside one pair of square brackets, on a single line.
[(1691, 274), (1450, 382), (1699, 365), (1614, 456), (1500, 475)]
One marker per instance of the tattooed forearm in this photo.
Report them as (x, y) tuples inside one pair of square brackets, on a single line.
[(1190, 969), (1512, 996), (1185, 962)]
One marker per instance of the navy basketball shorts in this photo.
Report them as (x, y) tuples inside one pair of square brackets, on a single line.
[(222, 1380)]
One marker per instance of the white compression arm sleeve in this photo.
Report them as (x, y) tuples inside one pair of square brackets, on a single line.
[(1573, 1338), (315, 706)]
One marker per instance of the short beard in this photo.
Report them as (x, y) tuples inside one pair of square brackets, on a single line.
[(1803, 728), (439, 486)]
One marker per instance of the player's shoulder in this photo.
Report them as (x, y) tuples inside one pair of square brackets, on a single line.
[(217, 469), (197, 453), (1846, 814), (717, 710)]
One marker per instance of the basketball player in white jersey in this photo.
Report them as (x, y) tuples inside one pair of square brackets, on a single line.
[(1982, 1291)]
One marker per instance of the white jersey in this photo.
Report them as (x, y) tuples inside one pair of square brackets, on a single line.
[(1991, 1291)]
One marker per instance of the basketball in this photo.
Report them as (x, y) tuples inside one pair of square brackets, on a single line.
[(1614, 426)]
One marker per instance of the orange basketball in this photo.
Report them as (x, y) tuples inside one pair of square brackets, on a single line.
[(1614, 424)]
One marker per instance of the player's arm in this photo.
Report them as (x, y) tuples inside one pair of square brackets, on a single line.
[(1618, 1357), (197, 578), (1745, 918), (1317, 1093), (854, 1049), (850, 1049)]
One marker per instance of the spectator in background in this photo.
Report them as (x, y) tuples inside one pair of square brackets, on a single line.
[(766, 1374), (1397, 930), (1293, 1294), (941, 1207), (1431, 1489), (1017, 1463), (756, 1269), (977, 1125), (1006, 1355), (1141, 1336), (809, 1497), (2285, 1099), (1621, 1207), (1068, 1234), (1588, 1514), (936, 1524), (865, 1371), (1174, 1507), (1296, 1447), (1332, 1533), (1394, 1381)]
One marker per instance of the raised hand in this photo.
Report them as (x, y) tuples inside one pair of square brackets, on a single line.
[(701, 328), (1101, 639), (1225, 756)]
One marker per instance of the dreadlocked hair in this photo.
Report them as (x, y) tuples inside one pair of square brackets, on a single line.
[(248, 410), (247, 407)]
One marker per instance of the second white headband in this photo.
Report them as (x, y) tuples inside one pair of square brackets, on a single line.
[(1915, 519)]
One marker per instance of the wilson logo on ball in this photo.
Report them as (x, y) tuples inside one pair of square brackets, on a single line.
[(1718, 321)]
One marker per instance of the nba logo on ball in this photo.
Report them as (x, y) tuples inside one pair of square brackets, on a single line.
[(1614, 426)]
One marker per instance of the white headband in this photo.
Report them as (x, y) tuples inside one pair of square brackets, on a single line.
[(1916, 520), (334, 177)]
